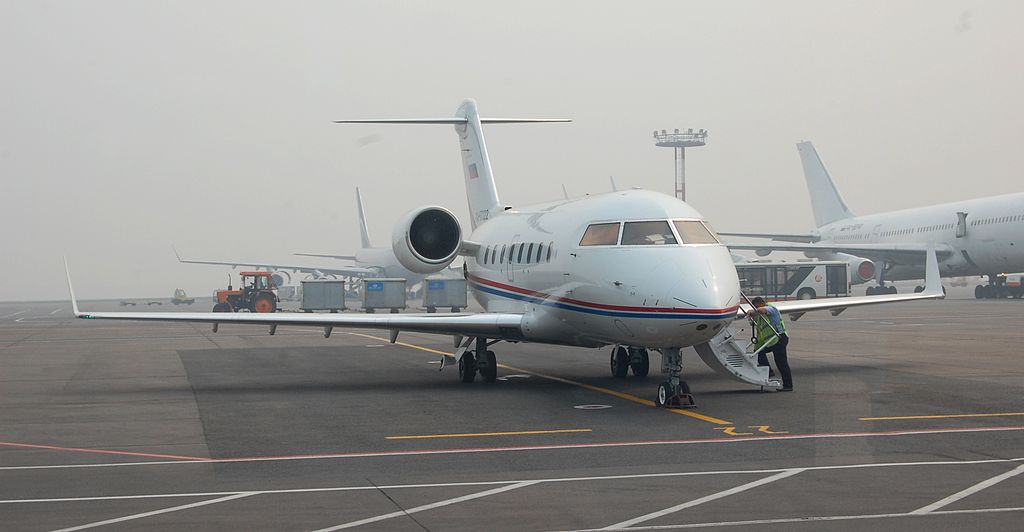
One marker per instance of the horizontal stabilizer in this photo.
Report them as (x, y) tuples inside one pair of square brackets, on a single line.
[(452, 121)]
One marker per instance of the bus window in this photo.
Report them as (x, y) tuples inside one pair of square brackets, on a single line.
[(606, 234), (694, 232), (656, 233)]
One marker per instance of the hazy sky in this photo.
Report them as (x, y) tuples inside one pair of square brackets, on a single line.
[(129, 126)]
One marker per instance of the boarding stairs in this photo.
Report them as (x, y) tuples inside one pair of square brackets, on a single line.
[(729, 355)]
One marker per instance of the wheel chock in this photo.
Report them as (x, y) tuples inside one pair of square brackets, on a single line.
[(683, 400)]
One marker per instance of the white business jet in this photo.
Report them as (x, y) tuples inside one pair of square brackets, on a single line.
[(982, 236), (635, 269)]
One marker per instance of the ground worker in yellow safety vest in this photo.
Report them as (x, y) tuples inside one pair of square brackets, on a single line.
[(767, 320)]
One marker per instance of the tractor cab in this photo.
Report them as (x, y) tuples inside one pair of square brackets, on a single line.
[(256, 293)]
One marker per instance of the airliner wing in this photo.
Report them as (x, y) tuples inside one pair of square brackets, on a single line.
[(777, 236), (912, 253), (347, 271), (933, 290), (326, 256)]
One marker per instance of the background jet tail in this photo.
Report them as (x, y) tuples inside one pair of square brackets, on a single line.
[(364, 233), (827, 203)]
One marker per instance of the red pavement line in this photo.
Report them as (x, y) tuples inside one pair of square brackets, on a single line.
[(99, 451)]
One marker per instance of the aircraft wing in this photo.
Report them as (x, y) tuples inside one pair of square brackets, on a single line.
[(933, 290), (347, 271), (491, 325), (777, 236), (911, 253), (326, 256)]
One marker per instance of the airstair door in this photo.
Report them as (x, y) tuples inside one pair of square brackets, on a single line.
[(727, 354)]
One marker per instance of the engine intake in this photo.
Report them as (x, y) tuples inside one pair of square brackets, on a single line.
[(427, 239)]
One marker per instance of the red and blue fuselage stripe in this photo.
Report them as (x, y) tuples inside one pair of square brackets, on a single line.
[(541, 298)]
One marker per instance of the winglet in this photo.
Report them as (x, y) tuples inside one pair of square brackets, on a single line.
[(176, 254), (932, 276), (71, 289)]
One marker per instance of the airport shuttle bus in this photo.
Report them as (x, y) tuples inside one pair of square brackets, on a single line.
[(781, 281)]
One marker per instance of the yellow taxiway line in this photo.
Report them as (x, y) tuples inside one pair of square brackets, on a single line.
[(941, 416), (606, 391), (482, 434)]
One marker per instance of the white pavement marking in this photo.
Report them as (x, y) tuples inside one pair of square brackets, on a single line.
[(809, 519), (507, 482), (969, 491), (156, 512), (13, 315), (526, 448), (431, 506), (706, 498), (56, 310)]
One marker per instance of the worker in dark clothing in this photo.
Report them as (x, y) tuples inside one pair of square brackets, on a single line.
[(767, 322)]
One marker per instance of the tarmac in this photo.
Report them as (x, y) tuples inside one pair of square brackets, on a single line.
[(904, 416)]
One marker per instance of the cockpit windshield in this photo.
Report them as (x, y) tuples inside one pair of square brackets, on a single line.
[(649, 233), (655, 233)]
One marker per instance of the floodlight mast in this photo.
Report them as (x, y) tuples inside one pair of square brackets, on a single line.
[(679, 140)]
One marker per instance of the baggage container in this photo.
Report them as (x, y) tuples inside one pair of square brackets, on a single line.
[(382, 293), (444, 292), (323, 294)]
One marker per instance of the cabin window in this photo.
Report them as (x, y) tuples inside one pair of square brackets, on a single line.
[(551, 246), (694, 232), (494, 254), (606, 234), (529, 253), (540, 251), (503, 253), (519, 258), (656, 233)]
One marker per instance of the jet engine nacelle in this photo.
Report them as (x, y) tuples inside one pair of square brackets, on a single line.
[(281, 278), (427, 239), (861, 270)]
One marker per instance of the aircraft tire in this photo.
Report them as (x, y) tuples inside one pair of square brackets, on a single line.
[(918, 289), (663, 395), (467, 368), (490, 371), (619, 362), (979, 292)]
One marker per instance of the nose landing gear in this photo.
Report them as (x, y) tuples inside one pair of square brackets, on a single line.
[(673, 393)]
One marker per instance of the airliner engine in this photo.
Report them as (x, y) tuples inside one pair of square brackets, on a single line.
[(427, 239), (861, 270), (281, 278)]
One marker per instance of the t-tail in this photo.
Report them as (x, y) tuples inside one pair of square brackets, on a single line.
[(481, 191), (826, 201)]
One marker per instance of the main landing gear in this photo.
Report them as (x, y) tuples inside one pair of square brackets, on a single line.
[(481, 360), (624, 359), (881, 290), (673, 393)]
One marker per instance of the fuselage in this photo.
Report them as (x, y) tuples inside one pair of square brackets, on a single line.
[(654, 295), (991, 239)]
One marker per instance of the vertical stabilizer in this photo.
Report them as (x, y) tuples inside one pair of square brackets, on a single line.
[(481, 191), (364, 233), (827, 203)]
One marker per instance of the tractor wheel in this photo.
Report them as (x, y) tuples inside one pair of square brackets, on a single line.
[(264, 303), (222, 307)]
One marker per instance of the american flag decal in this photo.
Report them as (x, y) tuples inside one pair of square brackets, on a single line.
[(473, 174)]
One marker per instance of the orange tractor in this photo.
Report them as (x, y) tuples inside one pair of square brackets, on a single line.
[(256, 294)]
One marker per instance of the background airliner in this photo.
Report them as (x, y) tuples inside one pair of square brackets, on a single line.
[(369, 261), (634, 269), (973, 237)]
